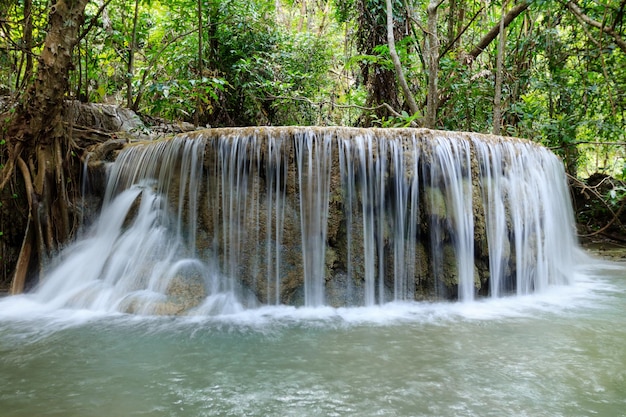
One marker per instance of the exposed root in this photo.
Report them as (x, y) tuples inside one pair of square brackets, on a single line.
[(23, 262)]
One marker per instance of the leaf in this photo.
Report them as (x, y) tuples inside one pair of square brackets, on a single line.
[(101, 91)]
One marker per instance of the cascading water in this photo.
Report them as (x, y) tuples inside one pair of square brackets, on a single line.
[(224, 219)]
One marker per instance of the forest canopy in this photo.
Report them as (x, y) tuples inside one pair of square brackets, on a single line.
[(557, 75)]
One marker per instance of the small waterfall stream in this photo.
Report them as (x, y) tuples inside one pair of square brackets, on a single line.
[(225, 219)]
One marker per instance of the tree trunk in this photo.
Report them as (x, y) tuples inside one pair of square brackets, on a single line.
[(28, 40), (408, 95), (497, 98), (380, 81), (131, 59), (303, 16), (39, 145), (196, 114), (433, 65)]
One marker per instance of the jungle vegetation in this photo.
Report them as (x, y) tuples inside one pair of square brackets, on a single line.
[(553, 71)]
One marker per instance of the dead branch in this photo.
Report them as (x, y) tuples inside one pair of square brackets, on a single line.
[(615, 215)]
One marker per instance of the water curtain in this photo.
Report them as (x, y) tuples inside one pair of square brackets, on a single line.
[(225, 219)]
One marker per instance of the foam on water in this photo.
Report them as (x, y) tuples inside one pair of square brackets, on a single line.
[(588, 291)]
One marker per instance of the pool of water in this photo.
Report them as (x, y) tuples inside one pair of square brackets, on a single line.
[(560, 353)]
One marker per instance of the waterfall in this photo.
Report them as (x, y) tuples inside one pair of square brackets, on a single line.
[(451, 167), (313, 156), (225, 219)]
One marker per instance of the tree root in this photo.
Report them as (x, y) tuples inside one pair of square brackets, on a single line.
[(24, 259)]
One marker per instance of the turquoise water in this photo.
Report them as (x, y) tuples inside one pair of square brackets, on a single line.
[(560, 353)]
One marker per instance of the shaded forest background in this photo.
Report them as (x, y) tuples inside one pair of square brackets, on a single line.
[(550, 71)]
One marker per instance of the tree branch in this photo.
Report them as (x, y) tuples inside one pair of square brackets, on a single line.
[(23, 261), (602, 62), (93, 21), (600, 198), (619, 15), (456, 39), (493, 33), (573, 7)]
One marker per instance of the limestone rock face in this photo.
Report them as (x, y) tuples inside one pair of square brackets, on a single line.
[(104, 117)]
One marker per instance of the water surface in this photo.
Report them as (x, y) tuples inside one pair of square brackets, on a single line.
[(560, 353)]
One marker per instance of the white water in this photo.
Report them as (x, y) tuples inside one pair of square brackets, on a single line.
[(314, 156), (452, 160)]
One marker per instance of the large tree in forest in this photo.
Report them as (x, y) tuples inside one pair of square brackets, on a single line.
[(38, 144)]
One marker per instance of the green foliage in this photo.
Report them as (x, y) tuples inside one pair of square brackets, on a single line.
[(251, 68), (615, 196), (345, 10), (273, 81), (564, 83), (404, 120), (179, 99)]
